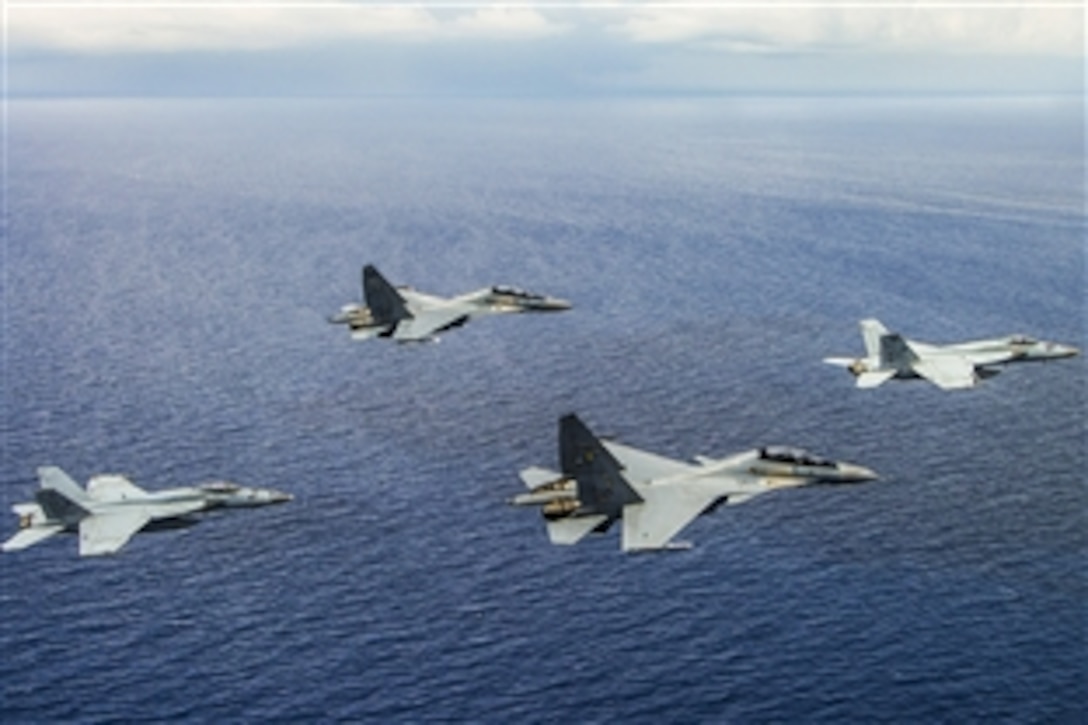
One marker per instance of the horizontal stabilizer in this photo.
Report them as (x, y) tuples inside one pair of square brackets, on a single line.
[(27, 509), (842, 362), (535, 477), (874, 379), (571, 530), (31, 536), (367, 333)]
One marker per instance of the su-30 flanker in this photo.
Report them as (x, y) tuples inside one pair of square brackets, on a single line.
[(603, 481), (113, 509), (889, 355), (406, 315)]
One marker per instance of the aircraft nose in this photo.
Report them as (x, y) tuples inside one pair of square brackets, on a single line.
[(851, 473), (274, 496), (554, 304)]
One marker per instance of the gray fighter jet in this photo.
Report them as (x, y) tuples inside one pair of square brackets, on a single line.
[(602, 481), (949, 367), (409, 316), (113, 509)]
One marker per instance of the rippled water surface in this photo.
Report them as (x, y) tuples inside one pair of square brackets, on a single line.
[(168, 267)]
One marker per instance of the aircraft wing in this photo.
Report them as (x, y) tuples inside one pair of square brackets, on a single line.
[(641, 466), (535, 476), (427, 323), (662, 514), (947, 372), (105, 488), (367, 333), (419, 301), (107, 533), (30, 536)]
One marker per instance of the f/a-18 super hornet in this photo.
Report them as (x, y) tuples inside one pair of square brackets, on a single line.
[(112, 509), (889, 355), (410, 316), (603, 481)]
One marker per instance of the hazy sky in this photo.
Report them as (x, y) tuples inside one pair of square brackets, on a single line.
[(191, 47)]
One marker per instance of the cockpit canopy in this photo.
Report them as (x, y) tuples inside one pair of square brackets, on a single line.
[(793, 456), (220, 487), (508, 291), (1022, 340)]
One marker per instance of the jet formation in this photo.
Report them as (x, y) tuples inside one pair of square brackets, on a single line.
[(405, 315), (112, 509), (949, 367), (603, 481)]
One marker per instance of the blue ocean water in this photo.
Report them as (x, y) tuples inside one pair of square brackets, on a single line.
[(168, 266)]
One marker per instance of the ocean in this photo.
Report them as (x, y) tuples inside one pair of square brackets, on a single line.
[(168, 268)]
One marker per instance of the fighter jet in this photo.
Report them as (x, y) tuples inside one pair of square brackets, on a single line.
[(603, 481), (113, 509), (410, 316), (889, 355)]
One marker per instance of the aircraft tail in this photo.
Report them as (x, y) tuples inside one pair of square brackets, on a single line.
[(602, 488), (59, 507), (385, 303), (872, 331), (895, 353), (60, 497)]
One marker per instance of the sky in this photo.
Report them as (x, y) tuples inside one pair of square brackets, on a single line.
[(592, 48)]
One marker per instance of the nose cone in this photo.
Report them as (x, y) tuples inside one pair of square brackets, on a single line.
[(271, 495), (248, 497), (851, 473), (552, 304), (1049, 351)]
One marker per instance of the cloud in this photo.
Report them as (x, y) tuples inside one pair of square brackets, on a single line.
[(961, 27), (954, 28), (503, 23), (344, 48), (97, 29)]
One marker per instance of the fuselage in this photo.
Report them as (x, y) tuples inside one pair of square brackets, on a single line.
[(761, 470)]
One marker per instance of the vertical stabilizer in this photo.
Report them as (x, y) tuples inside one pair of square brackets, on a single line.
[(385, 303), (895, 353), (60, 497), (59, 508), (54, 479), (602, 489), (872, 330)]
